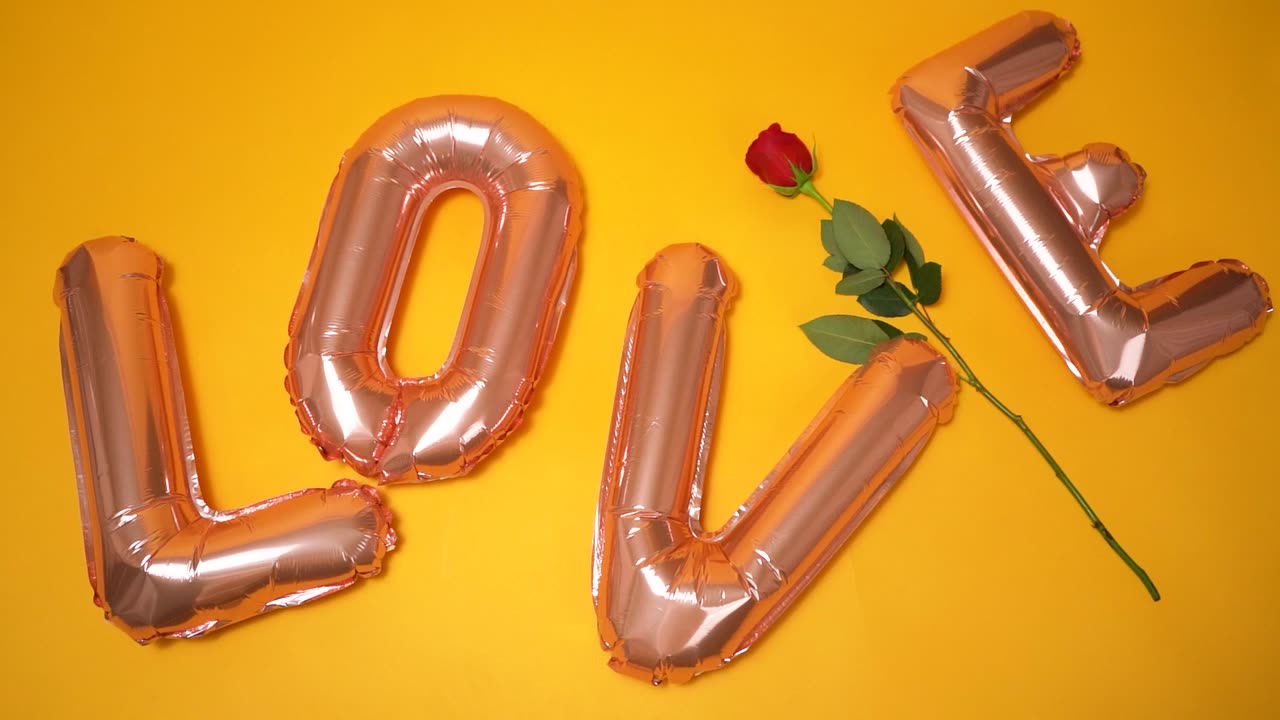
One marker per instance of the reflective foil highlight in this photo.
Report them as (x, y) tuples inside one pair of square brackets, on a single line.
[(346, 396), (673, 601), (161, 562), (1042, 218)]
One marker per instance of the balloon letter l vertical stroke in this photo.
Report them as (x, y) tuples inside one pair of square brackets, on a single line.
[(673, 601), (1043, 217), (161, 562)]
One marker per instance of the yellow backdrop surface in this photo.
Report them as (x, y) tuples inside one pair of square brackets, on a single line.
[(976, 590)]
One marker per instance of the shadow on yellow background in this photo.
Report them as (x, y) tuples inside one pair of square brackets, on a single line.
[(976, 590)]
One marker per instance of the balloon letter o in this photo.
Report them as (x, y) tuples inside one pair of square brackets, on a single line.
[(346, 396)]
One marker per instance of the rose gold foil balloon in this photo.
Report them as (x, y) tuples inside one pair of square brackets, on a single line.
[(1043, 217), (161, 562), (673, 600), (347, 398)]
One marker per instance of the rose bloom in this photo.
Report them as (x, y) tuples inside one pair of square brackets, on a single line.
[(780, 158)]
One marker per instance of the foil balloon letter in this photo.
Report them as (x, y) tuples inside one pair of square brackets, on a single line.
[(161, 562), (1043, 217), (672, 600), (347, 398)]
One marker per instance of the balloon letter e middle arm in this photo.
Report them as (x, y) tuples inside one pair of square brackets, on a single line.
[(1042, 218), (673, 601)]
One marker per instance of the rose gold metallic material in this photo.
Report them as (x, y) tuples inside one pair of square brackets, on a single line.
[(1043, 217), (672, 600), (347, 398), (161, 562)]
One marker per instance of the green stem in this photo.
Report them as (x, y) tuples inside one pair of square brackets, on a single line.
[(972, 379), (808, 188)]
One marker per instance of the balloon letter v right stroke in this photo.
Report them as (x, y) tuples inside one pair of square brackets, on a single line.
[(673, 601), (1043, 217)]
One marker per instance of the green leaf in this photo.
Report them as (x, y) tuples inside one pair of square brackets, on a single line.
[(897, 245), (888, 329), (915, 253), (916, 336), (861, 239), (928, 281), (846, 338), (837, 263), (829, 239), (860, 282), (883, 301)]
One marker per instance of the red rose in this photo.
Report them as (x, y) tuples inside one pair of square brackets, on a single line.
[(780, 159)]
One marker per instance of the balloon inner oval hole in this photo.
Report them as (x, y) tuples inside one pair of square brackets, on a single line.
[(435, 282)]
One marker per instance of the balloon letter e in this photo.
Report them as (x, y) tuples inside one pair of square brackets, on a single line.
[(1043, 217)]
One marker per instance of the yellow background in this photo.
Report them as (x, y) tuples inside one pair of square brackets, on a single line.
[(976, 590)]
